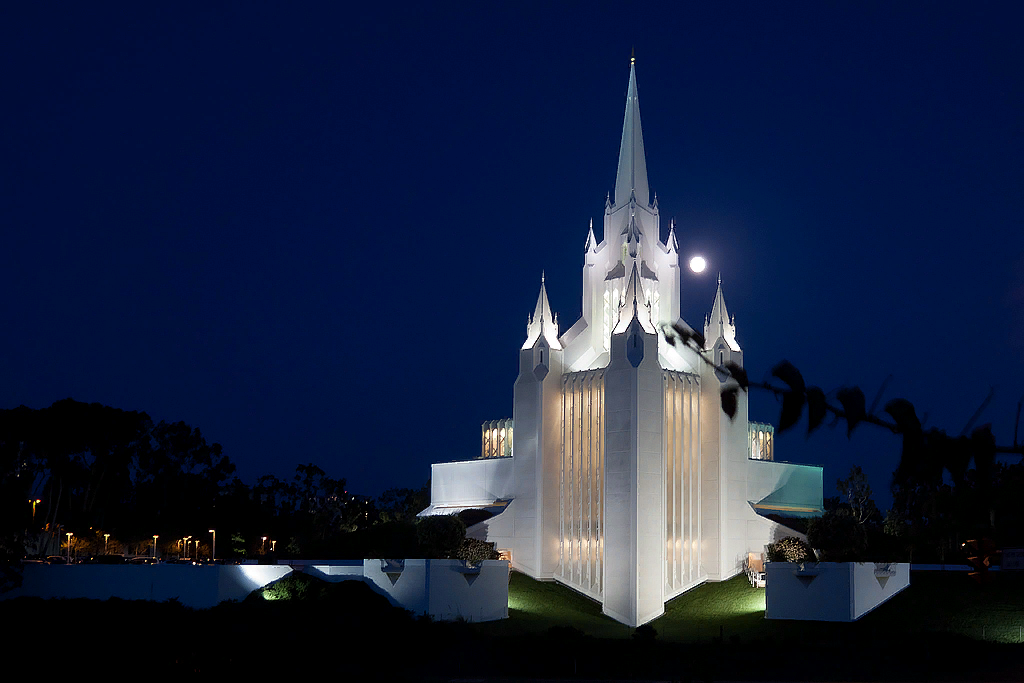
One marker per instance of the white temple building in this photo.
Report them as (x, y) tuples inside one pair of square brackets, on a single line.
[(618, 474)]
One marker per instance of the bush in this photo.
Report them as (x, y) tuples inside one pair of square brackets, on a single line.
[(440, 536), (475, 551), (789, 549), (839, 536)]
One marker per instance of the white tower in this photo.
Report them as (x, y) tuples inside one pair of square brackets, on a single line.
[(537, 404)]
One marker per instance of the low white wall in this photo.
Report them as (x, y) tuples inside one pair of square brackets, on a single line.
[(199, 587), (831, 591), (439, 588), (436, 587)]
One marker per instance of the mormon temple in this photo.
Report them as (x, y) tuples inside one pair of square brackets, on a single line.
[(618, 474)]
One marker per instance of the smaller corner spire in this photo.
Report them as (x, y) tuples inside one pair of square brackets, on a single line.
[(720, 325), (542, 323)]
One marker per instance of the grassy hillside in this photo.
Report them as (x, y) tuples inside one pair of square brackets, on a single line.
[(935, 602)]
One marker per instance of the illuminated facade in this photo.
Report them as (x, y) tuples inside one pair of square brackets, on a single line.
[(626, 481)]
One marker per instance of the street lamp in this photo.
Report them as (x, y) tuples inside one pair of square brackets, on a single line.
[(155, 536), (263, 548), (213, 553), (186, 546), (106, 537), (34, 501), (273, 546), (69, 535)]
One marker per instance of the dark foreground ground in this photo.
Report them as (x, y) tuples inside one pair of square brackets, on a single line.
[(944, 627)]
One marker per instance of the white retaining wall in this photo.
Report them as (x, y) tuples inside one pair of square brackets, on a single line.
[(194, 586), (444, 589), (439, 588), (831, 591)]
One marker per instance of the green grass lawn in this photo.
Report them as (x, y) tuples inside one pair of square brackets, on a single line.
[(935, 602)]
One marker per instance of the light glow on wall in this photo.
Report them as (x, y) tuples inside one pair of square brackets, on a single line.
[(496, 439), (683, 559), (761, 444), (581, 483)]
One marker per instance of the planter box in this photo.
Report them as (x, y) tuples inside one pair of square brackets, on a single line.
[(444, 589), (831, 591)]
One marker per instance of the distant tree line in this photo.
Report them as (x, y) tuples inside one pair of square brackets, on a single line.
[(114, 479)]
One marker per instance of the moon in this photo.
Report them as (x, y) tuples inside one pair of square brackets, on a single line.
[(698, 264)]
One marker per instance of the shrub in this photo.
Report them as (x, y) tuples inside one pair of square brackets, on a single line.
[(789, 549), (475, 551), (440, 536), (839, 536)]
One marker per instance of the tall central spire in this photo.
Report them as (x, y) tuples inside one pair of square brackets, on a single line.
[(631, 177)]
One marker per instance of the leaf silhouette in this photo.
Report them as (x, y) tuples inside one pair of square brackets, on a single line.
[(729, 401), (683, 334), (788, 373), (738, 374), (852, 399), (792, 407), (815, 408), (902, 411)]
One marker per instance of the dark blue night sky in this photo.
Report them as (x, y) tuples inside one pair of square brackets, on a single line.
[(316, 234)]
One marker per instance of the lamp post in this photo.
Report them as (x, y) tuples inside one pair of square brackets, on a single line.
[(34, 501), (273, 546), (263, 548), (213, 552), (69, 535), (106, 537), (186, 546), (155, 536)]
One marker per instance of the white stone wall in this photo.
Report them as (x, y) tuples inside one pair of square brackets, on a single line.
[(436, 587), (634, 538), (199, 587), (472, 482), (830, 591), (581, 483), (684, 567)]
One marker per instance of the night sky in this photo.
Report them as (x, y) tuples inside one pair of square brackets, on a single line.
[(317, 234)]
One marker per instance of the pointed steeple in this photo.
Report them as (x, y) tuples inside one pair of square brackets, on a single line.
[(631, 177), (719, 325), (634, 305), (591, 240), (672, 243), (542, 323)]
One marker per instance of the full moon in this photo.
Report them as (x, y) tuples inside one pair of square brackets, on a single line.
[(698, 264)]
